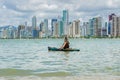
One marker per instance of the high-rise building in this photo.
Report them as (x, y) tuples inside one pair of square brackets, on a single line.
[(0, 33), (65, 19), (45, 28), (70, 29), (91, 28), (65, 16), (118, 27), (35, 32), (76, 28), (53, 22), (26, 30), (56, 30), (10, 31), (61, 30), (114, 25), (115, 32), (41, 26), (4, 33), (110, 24), (111, 16), (21, 29), (97, 26), (34, 22), (85, 29), (41, 32), (104, 30)]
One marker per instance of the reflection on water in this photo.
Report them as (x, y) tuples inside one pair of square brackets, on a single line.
[(66, 58)]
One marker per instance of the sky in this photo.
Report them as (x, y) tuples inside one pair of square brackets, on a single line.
[(15, 12)]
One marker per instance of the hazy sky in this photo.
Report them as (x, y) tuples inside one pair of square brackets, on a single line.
[(16, 12)]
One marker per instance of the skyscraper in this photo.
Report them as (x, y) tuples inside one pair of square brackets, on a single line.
[(41, 26), (53, 21), (91, 28), (34, 22), (110, 23), (76, 28), (65, 16), (115, 32), (35, 32), (111, 16), (21, 29), (104, 29), (45, 27), (97, 26), (85, 29), (70, 29), (56, 30), (60, 26), (65, 19)]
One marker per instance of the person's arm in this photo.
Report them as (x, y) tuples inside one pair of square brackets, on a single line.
[(63, 45)]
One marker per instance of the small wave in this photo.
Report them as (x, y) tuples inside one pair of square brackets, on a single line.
[(14, 72), (52, 74), (20, 72)]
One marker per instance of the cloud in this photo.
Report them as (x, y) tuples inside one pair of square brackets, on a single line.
[(18, 11)]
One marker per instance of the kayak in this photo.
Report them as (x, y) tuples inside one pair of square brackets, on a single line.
[(58, 49)]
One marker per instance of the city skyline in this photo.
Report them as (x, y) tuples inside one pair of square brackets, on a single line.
[(15, 12), (95, 27)]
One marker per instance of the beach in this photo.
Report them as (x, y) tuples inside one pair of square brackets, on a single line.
[(63, 78)]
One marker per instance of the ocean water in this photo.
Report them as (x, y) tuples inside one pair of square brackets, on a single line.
[(31, 60)]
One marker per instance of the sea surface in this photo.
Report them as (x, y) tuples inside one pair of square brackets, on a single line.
[(29, 59)]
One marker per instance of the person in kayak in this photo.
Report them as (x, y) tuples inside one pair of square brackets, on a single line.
[(65, 44)]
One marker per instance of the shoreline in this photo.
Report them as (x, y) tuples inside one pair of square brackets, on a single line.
[(61, 38), (93, 77)]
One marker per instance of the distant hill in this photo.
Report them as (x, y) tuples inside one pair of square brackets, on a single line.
[(8, 26)]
